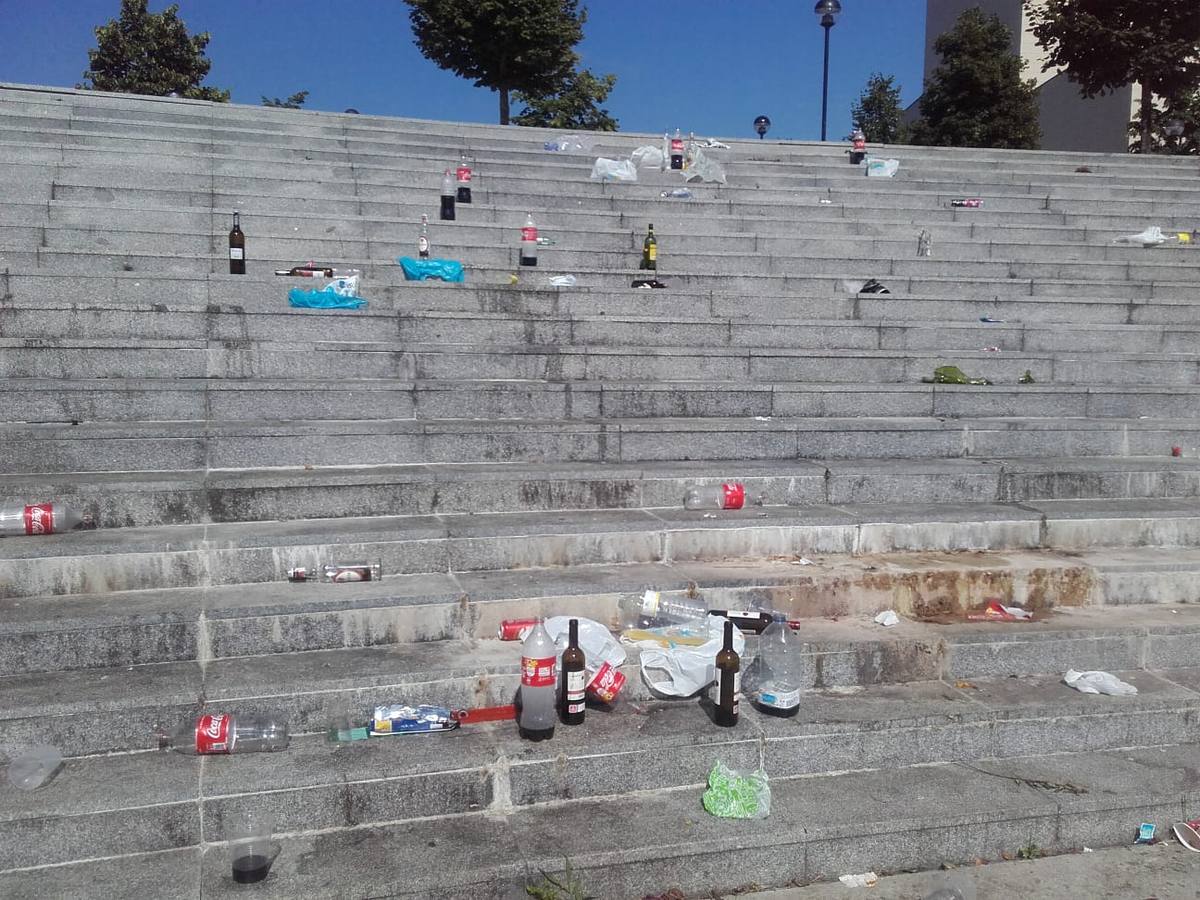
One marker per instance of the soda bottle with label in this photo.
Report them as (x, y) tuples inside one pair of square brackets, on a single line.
[(729, 682), (539, 685), (216, 733), (38, 518), (529, 242), (779, 669), (572, 679), (448, 196), (677, 150), (462, 177), (731, 495)]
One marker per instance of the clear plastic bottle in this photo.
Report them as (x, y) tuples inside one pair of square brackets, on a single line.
[(214, 733), (423, 239), (778, 670), (539, 686), (731, 495), (650, 609), (38, 518), (462, 178), (677, 150), (529, 242), (448, 190)]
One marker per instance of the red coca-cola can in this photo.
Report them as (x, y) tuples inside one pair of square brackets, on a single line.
[(515, 629)]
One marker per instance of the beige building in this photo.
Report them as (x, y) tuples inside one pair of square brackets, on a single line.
[(1069, 122)]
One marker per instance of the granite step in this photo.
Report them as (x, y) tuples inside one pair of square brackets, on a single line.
[(615, 815), (135, 499), (127, 559), (1141, 599)]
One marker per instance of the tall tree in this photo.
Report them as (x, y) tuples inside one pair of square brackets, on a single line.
[(150, 53), (295, 101), (1184, 109), (505, 45), (977, 97), (1106, 44), (576, 106), (877, 111)]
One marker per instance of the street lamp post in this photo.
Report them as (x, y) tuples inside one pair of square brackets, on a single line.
[(828, 10)]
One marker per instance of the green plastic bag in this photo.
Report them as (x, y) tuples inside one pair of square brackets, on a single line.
[(737, 795)]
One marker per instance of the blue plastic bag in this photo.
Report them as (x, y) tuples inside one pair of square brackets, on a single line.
[(325, 299), (421, 269)]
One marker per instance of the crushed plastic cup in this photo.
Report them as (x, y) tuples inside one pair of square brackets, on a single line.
[(251, 850), (36, 767)]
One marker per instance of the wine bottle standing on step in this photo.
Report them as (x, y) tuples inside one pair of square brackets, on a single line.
[(237, 247), (650, 251), (572, 679), (729, 682)]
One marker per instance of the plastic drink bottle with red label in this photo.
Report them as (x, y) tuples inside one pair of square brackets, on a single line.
[(539, 685), (215, 733), (448, 196), (778, 669), (529, 242), (462, 178), (731, 495), (967, 203), (572, 679), (677, 150), (38, 518)]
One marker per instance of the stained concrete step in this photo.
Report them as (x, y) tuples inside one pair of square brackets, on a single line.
[(1140, 591), (134, 499), (187, 446), (337, 810), (125, 559)]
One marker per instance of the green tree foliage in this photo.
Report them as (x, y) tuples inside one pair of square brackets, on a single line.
[(295, 101), (1184, 109), (504, 45), (877, 111), (976, 97), (1106, 44), (150, 53), (576, 106)]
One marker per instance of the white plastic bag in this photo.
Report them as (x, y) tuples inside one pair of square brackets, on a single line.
[(647, 158), (343, 287), (562, 281), (704, 168), (1151, 237), (569, 143), (605, 169), (882, 168), (682, 671), (887, 618), (1098, 683)]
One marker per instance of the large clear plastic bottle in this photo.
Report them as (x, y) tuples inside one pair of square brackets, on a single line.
[(529, 242), (731, 495), (652, 609), (778, 670), (215, 733), (448, 194), (539, 685), (38, 518)]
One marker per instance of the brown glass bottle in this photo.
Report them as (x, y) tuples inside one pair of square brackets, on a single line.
[(729, 682), (572, 679), (237, 248), (650, 251)]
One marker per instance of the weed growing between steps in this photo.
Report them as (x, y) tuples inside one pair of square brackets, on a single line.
[(564, 886)]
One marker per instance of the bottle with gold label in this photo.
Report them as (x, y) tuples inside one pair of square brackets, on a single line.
[(649, 250)]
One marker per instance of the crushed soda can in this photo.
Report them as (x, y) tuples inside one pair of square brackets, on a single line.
[(402, 719)]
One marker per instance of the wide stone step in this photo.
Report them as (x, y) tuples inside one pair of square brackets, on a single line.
[(1138, 588), (624, 779), (176, 446), (135, 499), (126, 559)]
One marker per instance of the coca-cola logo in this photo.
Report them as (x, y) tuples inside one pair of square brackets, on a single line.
[(39, 519), (214, 726)]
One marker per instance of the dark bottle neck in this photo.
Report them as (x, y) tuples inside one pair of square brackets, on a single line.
[(728, 636), (573, 633)]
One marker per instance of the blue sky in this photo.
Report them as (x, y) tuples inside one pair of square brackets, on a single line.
[(708, 66)]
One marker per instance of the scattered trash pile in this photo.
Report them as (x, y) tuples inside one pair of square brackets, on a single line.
[(675, 155)]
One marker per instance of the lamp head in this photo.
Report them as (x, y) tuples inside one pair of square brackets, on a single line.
[(828, 11), (762, 125)]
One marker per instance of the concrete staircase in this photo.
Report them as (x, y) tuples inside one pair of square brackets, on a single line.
[(509, 450)]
